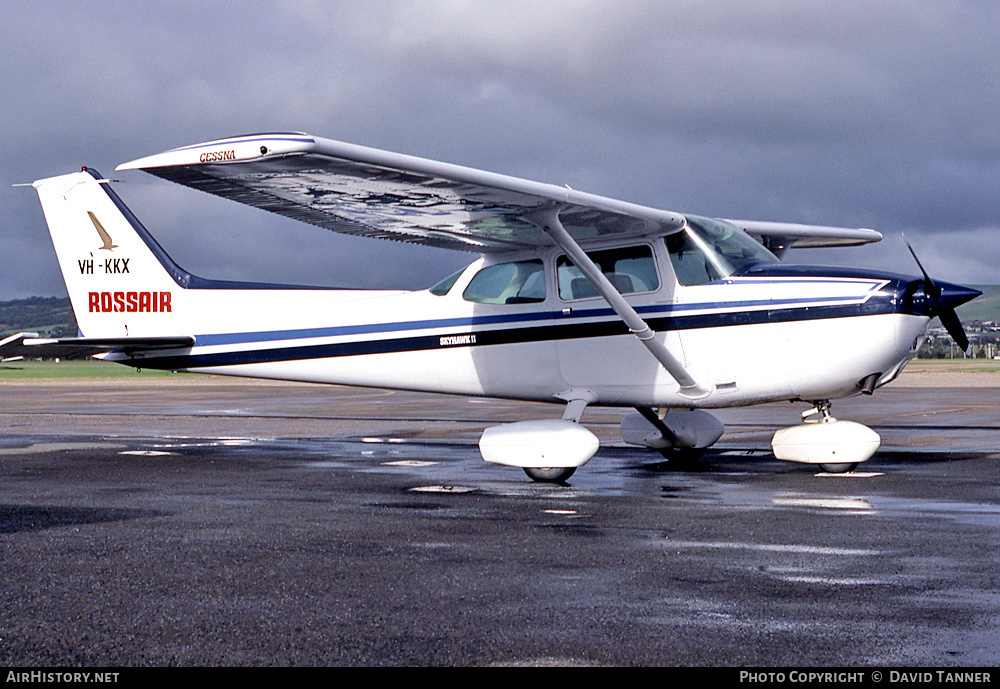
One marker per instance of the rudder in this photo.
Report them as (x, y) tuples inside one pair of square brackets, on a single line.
[(118, 279)]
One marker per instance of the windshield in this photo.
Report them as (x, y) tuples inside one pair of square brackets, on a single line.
[(707, 250)]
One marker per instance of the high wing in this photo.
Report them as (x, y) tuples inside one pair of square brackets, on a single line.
[(29, 345), (368, 192), (781, 236), (372, 193)]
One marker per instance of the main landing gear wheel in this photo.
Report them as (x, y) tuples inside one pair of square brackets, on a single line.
[(554, 475), (842, 468)]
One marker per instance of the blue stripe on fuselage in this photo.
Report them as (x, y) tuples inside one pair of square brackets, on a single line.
[(590, 323), (654, 311)]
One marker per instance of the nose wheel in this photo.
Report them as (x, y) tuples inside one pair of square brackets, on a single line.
[(841, 468), (554, 475), (823, 409)]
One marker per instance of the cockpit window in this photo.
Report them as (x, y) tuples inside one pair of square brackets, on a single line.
[(517, 282), (630, 269), (707, 250)]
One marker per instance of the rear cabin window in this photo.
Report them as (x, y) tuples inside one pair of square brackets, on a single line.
[(630, 269), (517, 282), (442, 288)]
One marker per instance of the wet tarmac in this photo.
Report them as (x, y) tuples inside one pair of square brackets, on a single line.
[(195, 521)]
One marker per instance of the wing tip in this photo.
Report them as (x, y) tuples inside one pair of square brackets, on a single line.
[(810, 236), (234, 149)]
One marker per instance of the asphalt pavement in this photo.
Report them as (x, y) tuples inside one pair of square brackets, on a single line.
[(193, 521)]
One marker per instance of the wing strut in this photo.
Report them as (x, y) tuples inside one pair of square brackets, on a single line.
[(547, 219)]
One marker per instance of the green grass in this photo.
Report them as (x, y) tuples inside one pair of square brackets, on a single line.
[(970, 365), (72, 369), (982, 308)]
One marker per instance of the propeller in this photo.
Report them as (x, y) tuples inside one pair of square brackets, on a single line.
[(943, 305)]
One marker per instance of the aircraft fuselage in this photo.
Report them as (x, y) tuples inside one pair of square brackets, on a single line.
[(759, 336)]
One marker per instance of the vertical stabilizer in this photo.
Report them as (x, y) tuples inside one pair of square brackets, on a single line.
[(116, 275)]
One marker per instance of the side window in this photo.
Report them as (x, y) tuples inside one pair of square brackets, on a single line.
[(518, 282), (630, 270)]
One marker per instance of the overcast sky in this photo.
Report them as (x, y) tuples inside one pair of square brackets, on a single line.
[(883, 114)]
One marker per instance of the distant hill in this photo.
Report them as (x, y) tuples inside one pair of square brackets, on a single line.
[(984, 308), (49, 316)]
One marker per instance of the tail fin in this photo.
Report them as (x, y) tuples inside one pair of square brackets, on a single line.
[(120, 281)]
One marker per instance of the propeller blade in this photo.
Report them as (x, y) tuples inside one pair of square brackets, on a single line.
[(949, 319), (943, 308), (930, 287)]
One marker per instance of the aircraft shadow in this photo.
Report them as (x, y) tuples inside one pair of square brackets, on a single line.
[(17, 518)]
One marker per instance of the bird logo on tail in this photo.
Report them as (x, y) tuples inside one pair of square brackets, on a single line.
[(105, 237)]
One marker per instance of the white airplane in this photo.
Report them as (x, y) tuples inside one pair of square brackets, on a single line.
[(576, 298)]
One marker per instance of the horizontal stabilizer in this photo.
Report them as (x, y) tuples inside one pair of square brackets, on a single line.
[(12, 347), (29, 345)]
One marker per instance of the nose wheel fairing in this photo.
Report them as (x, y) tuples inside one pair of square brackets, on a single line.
[(836, 446)]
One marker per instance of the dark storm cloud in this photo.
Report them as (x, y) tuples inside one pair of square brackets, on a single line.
[(874, 114)]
